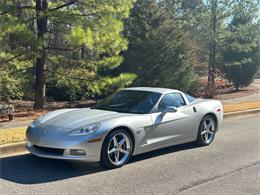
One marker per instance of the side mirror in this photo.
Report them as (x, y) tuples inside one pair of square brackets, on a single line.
[(169, 109)]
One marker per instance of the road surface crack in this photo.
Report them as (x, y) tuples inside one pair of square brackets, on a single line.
[(207, 180)]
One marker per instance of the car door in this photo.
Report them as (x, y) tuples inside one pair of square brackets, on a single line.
[(172, 126)]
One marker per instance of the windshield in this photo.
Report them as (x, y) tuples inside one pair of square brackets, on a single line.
[(129, 101), (190, 98)]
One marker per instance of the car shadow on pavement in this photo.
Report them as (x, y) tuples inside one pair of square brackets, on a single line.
[(164, 151), (29, 169)]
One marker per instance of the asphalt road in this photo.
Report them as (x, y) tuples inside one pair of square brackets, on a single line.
[(231, 165)]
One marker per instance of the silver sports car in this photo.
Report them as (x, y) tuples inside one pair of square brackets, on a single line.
[(130, 122)]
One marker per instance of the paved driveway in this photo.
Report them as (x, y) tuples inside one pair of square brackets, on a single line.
[(231, 165)]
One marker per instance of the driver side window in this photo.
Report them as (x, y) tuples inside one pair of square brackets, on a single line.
[(171, 99)]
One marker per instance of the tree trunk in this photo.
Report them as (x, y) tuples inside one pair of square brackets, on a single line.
[(40, 82), (210, 74), (40, 87), (237, 87), (212, 55)]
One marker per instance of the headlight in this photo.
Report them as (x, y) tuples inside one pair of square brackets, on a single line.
[(85, 129)]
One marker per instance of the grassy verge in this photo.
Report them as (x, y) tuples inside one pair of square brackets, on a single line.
[(14, 135), (241, 106)]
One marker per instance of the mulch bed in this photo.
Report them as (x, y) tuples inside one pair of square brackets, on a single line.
[(231, 93), (24, 109)]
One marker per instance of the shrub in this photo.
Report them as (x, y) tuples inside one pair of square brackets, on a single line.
[(10, 87)]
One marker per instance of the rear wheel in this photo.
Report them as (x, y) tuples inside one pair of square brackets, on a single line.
[(117, 149), (206, 131)]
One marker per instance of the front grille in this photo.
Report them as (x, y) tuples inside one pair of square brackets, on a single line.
[(54, 151)]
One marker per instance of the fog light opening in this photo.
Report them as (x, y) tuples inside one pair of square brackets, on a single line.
[(77, 152)]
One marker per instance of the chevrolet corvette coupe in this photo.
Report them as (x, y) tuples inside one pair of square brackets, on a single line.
[(130, 122)]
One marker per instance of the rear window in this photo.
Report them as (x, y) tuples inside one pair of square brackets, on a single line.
[(190, 98)]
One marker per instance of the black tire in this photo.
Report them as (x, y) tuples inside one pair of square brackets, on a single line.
[(104, 159), (201, 141)]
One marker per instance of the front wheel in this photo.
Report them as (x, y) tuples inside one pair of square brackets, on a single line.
[(117, 149), (206, 131)]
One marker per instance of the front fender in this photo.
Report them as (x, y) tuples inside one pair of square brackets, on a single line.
[(137, 124)]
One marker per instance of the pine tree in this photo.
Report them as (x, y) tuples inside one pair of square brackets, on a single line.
[(241, 56), (62, 36), (203, 20), (158, 52)]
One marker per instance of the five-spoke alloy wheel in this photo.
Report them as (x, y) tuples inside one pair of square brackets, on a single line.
[(117, 149), (206, 132)]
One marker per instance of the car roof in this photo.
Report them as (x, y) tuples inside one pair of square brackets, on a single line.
[(152, 89)]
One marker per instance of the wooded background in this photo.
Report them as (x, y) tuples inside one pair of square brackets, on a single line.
[(87, 49)]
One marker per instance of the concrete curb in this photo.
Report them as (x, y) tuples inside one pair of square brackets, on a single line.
[(243, 112), (20, 147), (7, 149)]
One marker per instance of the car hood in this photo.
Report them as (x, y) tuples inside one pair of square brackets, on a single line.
[(75, 118)]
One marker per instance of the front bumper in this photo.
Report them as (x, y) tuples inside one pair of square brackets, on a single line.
[(65, 154), (59, 153), (60, 146)]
